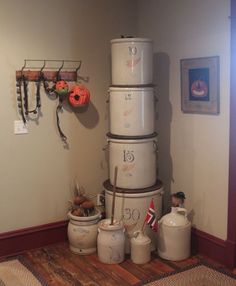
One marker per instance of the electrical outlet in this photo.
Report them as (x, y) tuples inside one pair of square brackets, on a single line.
[(100, 199), (20, 127)]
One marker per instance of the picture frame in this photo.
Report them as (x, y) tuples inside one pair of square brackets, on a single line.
[(200, 85)]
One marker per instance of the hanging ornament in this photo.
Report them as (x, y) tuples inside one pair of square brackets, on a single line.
[(79, 96), (62, 88)]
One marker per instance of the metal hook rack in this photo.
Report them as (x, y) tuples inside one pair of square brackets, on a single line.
[(67, 69)]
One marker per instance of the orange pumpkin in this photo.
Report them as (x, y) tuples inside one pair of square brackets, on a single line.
[(199, 88), (79, 96)]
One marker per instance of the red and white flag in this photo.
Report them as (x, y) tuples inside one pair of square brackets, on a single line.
[(151, 217)]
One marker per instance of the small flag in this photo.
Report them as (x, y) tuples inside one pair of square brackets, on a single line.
[(151, 217)]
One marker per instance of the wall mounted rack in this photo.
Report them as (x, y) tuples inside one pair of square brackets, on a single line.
[(67, 69), (40, 73)]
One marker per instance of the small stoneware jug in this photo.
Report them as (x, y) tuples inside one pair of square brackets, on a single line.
[(140, 248)]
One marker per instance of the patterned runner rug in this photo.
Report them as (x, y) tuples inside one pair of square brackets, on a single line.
[(200, 275), (17, 272)]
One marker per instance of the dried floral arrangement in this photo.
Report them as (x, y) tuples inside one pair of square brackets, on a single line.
[(81, 204)]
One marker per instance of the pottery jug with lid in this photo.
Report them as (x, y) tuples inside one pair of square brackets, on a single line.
[(111, 241), (174, 235)]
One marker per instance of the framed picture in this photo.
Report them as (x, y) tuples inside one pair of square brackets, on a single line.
[(200, 85)]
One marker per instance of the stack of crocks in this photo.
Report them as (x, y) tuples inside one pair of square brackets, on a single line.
[(132, 141)]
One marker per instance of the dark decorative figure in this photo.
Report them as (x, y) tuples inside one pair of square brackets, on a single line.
[(177, 199)]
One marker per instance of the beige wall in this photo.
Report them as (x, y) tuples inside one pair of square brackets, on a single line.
[(193, 148), (36, 172)]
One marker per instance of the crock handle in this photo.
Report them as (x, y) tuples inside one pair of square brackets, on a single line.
[(108, 96), (182, 210), (105, 147), (155, 93), (155, 146)]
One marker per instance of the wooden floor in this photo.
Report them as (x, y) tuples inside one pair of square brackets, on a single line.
[(60, 267)]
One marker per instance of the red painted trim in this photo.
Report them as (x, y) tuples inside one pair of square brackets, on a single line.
[(17, 241), (208, 245), (230, 252)]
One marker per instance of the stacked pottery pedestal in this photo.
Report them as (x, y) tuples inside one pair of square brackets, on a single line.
[(132, 139)]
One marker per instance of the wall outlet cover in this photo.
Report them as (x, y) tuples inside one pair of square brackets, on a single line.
[(20, 127)]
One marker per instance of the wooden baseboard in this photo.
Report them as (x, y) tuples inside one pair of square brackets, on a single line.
[(209, 245), (15, 242), (230, 254)]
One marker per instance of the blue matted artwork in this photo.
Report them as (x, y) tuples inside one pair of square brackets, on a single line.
[(200, 85)]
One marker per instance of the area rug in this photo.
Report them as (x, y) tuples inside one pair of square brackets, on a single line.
[(18, 272), (199, 275)]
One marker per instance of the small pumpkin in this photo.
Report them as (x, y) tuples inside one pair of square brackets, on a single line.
[(62, 88), (79, 96), (78, 200), (87, 205), (199, 88)]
